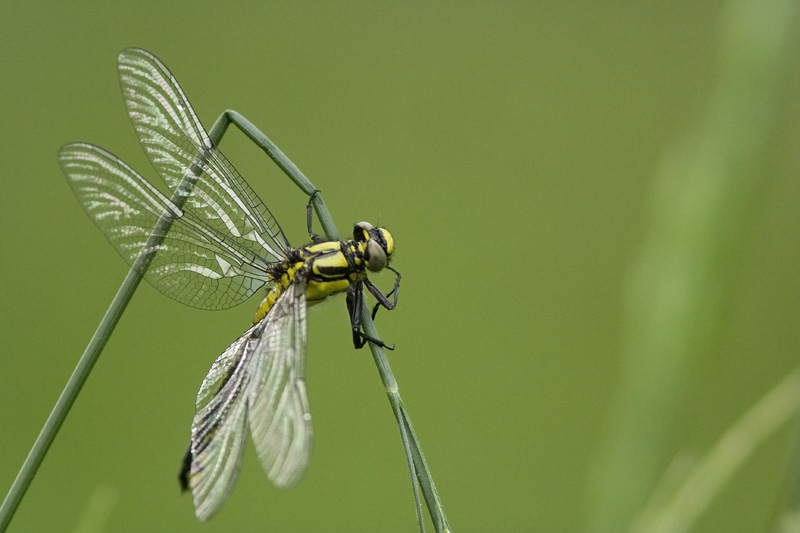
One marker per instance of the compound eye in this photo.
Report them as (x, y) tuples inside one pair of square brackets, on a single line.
[(375, 257), (361, 231)]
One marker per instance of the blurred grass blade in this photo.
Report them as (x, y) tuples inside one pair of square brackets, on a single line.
[(680, 282), (94, 518), (678, 512)]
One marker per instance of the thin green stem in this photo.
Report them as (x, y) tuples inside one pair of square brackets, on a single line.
[(67, 398), (413, 450), (280, 159), (91, 354), (420, 473)]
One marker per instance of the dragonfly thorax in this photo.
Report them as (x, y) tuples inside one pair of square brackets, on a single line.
[(329, 267)]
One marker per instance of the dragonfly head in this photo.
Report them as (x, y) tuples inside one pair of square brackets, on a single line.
[(379, 245)]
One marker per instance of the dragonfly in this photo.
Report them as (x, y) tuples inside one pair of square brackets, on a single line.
[(213, 245)]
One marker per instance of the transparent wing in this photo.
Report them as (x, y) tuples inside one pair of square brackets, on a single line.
[(219, 428), (259, 378), (196, 264), (177, 145), (279, 416)]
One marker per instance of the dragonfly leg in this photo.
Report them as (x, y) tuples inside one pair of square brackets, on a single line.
[(316, 239), (383, 299), (355, 298)]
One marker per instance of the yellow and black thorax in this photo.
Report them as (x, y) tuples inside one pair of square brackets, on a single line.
[(329, 267)]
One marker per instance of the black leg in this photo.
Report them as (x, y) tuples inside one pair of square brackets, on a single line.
[(355, 298), (316, 239), (383, 299)]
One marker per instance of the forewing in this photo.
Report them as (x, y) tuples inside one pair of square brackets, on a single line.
[(219, 428), (179, 147), (195, 264), (278, 413)]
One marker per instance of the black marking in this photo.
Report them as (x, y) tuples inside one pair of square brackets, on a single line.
[(377, 235)]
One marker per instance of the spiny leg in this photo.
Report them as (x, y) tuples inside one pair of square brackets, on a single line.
[(383, 299), (354, 299), (316, 239)]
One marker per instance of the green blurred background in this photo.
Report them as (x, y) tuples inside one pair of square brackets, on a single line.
[(573, 186)]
